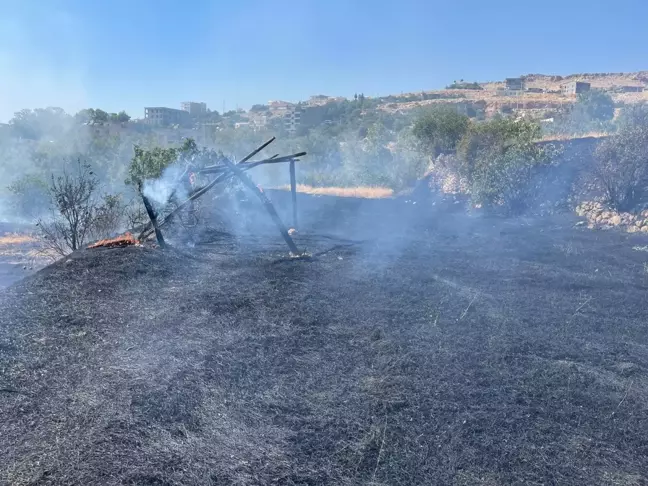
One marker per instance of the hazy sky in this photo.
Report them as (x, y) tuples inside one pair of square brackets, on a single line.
[(119, 54)]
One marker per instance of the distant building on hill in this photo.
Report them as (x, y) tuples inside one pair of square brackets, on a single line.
[(278, 105), (575, 87), (162, 117), (515, 84), (629, 89), (194, 108), (292, 120)]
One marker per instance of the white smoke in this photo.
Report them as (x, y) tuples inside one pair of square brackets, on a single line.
[(160, 190)]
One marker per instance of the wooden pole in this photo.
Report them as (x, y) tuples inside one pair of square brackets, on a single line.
[(152, 216), (249, 165), (147, 229), (293, 192), (266, 202)]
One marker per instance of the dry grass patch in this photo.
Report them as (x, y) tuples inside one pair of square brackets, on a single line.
[(360, 191), (12, 239)]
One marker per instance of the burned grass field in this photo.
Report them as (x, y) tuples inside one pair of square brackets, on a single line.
[(416, 346)]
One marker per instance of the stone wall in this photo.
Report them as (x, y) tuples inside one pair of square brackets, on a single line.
[(598, 216)]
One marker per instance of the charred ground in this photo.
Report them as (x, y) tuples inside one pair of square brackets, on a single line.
[(418, 346)]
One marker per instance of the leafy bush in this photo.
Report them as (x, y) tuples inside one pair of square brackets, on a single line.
[(505, 179), (440, 129), (594, 105), (498, 160), (621, 167), (149, 164)]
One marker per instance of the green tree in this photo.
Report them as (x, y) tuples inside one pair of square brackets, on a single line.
[(84, 116), (259, 108), (99, 117), (440, 129), (121, 117), (593, 105), (41, 122), (149, 164)]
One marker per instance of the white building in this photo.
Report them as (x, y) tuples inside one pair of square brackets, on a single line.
[(194, 108)]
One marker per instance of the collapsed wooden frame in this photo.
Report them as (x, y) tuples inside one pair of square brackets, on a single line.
[(223, 171)]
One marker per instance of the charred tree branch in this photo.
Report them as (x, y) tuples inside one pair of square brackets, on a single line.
[(148, 229), (266, 202), (153, 217)]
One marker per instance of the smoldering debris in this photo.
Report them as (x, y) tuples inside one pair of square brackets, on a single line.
[(172, 196)]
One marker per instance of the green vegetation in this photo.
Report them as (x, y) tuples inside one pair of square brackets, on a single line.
[(496, 158), (592, 112), (349, 143), (464, 85), (594, 105), (439, 130), (149, 164)]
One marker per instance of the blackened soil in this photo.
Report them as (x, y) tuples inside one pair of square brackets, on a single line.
[(418, 345)]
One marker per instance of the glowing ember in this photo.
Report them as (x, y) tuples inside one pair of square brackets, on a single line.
[(126, 239)]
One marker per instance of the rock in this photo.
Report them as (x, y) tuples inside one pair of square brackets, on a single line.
[(615, 220), (628, 218), (633, 229), (644, 229)]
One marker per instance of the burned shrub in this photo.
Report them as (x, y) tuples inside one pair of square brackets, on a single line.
[(621, 167), (73, 208), (108, 216), (77, 214)]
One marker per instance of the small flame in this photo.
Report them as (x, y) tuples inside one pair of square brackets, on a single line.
[(126, 239)]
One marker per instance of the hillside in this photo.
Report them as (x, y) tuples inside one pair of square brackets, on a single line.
[(549, 98), (416, 347)]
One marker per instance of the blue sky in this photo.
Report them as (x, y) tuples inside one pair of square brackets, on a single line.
[(121, 54)]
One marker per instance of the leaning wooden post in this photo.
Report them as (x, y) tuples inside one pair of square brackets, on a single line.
[(266, 202), (147, 229), (293, 191), (152, 216)]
